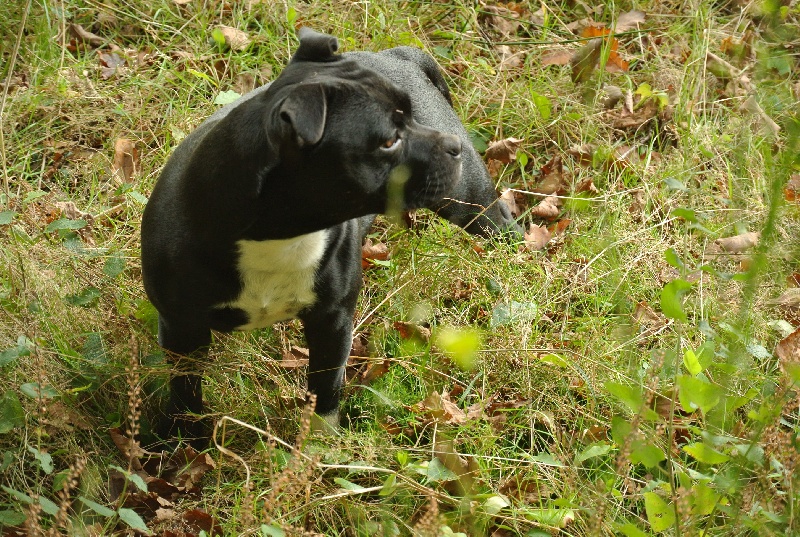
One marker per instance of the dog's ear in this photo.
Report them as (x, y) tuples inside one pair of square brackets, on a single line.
[(315, 47), (304, 112)]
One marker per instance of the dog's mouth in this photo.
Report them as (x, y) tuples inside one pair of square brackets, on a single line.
[(406, 190)]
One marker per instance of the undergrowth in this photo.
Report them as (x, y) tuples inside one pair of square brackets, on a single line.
[(636, 375)]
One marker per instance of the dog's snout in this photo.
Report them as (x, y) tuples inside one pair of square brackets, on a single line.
[(451, 145)]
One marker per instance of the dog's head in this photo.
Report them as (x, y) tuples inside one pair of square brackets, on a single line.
[(351, 135)]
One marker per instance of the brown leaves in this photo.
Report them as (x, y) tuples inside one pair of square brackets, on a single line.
[(788, 352), (156, 484), (536, 237), (373, 252), (792, 189), (504, 150), (236, 39), (738, 243), (126, 160)]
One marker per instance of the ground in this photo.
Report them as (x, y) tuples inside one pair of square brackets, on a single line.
[(630, 368)]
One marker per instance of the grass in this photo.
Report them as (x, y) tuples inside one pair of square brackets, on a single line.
[(616, 402)]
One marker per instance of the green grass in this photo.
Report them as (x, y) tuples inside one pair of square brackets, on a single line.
[(567, 442)]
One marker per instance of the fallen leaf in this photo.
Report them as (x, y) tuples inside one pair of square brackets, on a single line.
[(536, 237), (585, 59), (126, 160), (440, 409), (790, 299), (295, 357), (554, 180), (556, 57), (109, 64), (587, 185), (509, 60), (504, 150), (638, 203), (792, 190), (583, 154), (369, 252), (199, 520), (244, 83), (234, 38), (70, 210), (507, 197), (738, 243), (86, 36), (548, 209), (502, 20), (788, 350), (630, 20), (412, 331), (613, 96), (374, 371), (559, 227)]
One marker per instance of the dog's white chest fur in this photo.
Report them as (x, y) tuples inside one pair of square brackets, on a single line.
[(277, 277)]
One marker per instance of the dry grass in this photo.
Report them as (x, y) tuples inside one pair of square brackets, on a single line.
[(542, 453)]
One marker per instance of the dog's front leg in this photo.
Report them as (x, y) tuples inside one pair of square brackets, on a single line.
[(187, 346), (329, 336)]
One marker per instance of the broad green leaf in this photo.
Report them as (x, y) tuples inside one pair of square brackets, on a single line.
[(660, 514), (226, 97), (703, 499), (389, 485), (85, 298), (17, 495), (543, 105), (692, 363), (461, 344), (35, 391), (272, 531), (132, 477), (44, 458), (514, 312), (687, 214), (97, 508), (646, 453), (673, 259), (494, 504), (621, 429), (549, 517), (705, 453), (65, 224), (48, 506), (597, 449), (645, 90), (672, 299), (348, 485), (629, 529), (697, 393), (218, 37), (291, 16), (114, 266), (12, 518), (6, 217), (132, 519), (630, 396), (554, 359), (12, 415), (437, 472)]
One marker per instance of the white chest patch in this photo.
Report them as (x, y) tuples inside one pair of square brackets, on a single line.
[(277, 277)]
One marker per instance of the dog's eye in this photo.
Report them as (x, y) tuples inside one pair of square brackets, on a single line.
[(392, 142)]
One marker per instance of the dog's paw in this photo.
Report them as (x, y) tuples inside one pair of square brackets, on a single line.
[(183, 429), (326, 423)]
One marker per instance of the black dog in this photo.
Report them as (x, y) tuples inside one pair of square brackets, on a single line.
[(259, 214)]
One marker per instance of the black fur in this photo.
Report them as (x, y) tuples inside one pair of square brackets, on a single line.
[(302, 154)]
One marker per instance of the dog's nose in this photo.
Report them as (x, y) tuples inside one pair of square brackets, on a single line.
[(451, 145)]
